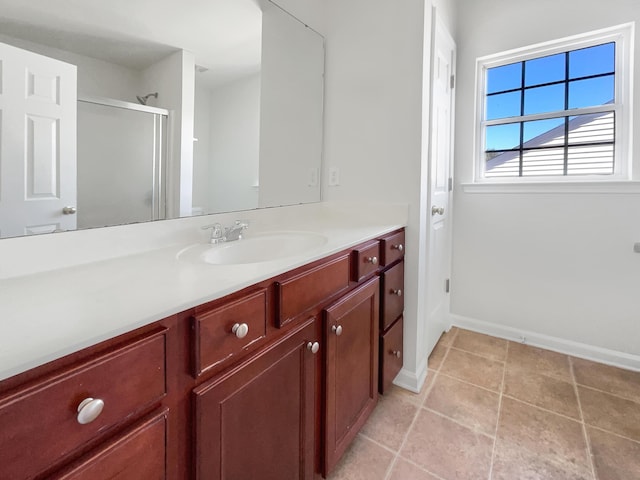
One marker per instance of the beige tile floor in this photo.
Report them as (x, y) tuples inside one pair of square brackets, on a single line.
[(494, 409)]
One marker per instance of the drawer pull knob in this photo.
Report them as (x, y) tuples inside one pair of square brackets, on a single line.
[(313, 347), (337, 329), (398, 247), (89, 409), (397, 292), (240, 330), (372, 260), (396, 353)]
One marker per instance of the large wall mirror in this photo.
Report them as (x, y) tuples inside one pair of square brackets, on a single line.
[(130, 111)]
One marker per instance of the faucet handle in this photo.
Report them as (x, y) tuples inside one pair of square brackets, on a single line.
[(217, 232), (242, 224)]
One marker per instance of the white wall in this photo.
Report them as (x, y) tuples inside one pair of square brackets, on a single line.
[(234, 138), (292, 69), (95, 77), (373, 128), (174, 80), (555, 267), (201, 147)]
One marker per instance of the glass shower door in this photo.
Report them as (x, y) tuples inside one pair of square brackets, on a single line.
[(121, 155)]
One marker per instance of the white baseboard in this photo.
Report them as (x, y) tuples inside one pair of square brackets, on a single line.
[(568, 347), (412, 381)]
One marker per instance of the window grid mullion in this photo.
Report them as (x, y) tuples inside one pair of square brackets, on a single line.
[(565, 168)]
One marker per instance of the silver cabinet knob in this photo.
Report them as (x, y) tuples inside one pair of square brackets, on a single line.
[(89, 409), (372, 260), (313, 347), (337, 329), (69, 210), (397, 292), (437, 210), (240, 330), (398, 247), (396, 353)]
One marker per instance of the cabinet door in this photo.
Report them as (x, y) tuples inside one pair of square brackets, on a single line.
[(258, 420), (351, 368), (137, 454)]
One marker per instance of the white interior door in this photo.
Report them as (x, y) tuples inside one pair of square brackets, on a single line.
[(441, 156), (37, 143)]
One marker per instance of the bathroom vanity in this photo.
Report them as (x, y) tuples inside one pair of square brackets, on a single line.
[(271, 380)]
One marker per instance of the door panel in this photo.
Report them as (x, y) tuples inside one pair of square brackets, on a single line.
[(37, 143), (441, 155)]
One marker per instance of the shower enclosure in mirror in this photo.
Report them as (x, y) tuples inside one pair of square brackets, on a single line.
[(137, 115)]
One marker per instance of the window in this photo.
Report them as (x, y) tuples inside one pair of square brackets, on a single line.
[(557, 111)]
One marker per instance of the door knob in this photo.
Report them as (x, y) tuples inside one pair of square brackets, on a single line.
[(69, 210), (437, 210)]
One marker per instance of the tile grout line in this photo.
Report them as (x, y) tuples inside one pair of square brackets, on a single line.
[(495, 439), (415, 418), (467, 382), (582, 422), (486, 357), (636, 401), (457, 422), (609, 432), (420, 406)]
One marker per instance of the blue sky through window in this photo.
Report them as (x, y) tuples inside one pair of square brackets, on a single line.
[(551, 83)]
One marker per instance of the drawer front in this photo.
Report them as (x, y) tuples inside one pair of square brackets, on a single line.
[(366, 260), (393, 295), (39, 424), (139, 453), (392, 248), (390, 355), (310, 288), (222, 333)]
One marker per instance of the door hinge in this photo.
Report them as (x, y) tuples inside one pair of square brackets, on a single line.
[(447, 285), (453, 81), (450, 184)]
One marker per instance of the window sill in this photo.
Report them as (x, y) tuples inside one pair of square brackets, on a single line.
[(614, 187)]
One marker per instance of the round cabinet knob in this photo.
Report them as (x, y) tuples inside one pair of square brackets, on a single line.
[(396, 353), (240, 330), (372, 260), (89, 409), (313, 347), (397, 292), (337, 329), (398, 247)]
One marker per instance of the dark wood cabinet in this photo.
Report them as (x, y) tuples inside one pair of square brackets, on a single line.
[(139, 453), (258, 420), (271, 382), (351, 368), (391, 307)]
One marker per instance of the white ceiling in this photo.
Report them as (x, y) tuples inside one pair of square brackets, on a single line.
[(224, 35)]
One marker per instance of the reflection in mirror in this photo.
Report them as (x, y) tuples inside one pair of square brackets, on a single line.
[(112, 116)]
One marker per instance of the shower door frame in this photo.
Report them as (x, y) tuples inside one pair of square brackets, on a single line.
[(160, 147)]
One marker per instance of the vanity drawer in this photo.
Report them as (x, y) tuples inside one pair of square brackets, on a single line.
[(223, 332), (366, 260), (390, 355), (392, 295), (308, 289), (39, 424), (392, 248), (139, 453)]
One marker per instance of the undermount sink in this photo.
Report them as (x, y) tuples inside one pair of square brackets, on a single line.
[(257, 248)]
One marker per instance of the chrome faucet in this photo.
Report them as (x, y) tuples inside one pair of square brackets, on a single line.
[(220, 234)]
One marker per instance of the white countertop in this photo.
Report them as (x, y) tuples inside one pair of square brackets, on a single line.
[(112, 284)]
